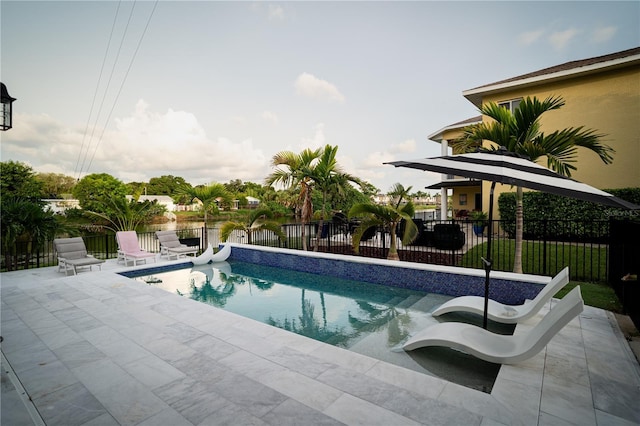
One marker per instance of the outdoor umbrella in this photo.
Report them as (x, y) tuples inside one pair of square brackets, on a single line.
[(502, 166)]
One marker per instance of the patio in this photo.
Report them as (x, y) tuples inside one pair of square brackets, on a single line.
[(98, 348)]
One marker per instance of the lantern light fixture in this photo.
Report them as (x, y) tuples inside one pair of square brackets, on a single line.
[(7, 108)]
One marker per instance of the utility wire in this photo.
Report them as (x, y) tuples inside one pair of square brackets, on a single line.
[(95, 94), (104, 96), (135, 53)]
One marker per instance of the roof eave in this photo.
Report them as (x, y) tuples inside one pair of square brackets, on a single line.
[(437, 135), (475, 95)]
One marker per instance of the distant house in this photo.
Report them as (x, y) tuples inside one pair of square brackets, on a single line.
[(60, 205), (600, 93), (252, 202), (163, 200)]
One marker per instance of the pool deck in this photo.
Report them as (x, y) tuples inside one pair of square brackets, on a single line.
[(101, 349)]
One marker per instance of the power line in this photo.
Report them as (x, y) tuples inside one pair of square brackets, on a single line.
[(104, 96), (95, 94), (135, 53)]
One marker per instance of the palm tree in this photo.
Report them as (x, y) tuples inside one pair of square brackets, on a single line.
[(207, 195), (25, 221), (125, 215), (252, 226), (327, 175), (520, 132), (308, 170), (388, 216), (296, 173)]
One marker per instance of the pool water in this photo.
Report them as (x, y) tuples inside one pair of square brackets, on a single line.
[(370, 319)]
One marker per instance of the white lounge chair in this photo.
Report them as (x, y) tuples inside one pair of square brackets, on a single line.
[(209, 256), (507, 314), (72, 254), (171, 246), (129, 248), (499, 348)]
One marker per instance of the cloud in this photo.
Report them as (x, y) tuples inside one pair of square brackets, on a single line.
[(275, 12), (560, 39), (142, 145), (603, 34), (316, 141), (312, 87), (530, 37), (270, 117), (403, 147)]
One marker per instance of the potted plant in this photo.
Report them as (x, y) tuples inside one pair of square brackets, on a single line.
[(479, 221)]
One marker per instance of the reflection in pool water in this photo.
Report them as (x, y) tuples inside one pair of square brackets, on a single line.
[(366, 318)]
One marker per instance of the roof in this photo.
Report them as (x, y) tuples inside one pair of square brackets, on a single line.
[(437, 136), (559, 72), (161, 198), (455, 183)]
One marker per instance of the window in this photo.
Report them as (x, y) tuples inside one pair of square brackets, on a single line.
[(510, 105)]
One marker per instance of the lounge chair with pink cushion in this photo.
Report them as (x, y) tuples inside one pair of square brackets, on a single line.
[(129, 248)]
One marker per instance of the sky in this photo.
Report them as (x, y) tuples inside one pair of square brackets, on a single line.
[(212, 90)]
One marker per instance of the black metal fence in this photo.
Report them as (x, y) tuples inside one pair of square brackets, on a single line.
[(549, 245)]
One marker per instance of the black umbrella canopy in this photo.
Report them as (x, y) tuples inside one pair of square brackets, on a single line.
[(499, 166)]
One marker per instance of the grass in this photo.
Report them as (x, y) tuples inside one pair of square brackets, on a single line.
[(595, 294), (587, 264)]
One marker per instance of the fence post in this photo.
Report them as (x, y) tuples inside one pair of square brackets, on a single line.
[(544, 246)]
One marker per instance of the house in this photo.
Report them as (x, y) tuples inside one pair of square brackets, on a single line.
[(600, 93), (163, 200), (467, 193), (61, 205), (252, 202)]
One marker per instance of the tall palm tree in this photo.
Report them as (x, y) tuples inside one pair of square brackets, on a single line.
[(207, 195), (327, 175), (252, 225), (388, 216), (520, 132), (292, 170)]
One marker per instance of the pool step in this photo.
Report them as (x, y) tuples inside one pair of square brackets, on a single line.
[(429, 302), (409, 301)]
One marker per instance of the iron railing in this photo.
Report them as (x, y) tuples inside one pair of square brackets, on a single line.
[(548, 247)]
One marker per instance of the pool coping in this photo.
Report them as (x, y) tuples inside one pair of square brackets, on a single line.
[(536, 391)]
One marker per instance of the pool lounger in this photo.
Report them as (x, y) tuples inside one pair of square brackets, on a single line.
[(499, 348), (506, 314)]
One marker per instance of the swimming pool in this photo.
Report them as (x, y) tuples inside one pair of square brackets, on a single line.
[(360, 316)]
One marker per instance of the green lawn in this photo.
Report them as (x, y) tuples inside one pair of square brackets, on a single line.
[(584, 264), (587, 264), (595, 294)]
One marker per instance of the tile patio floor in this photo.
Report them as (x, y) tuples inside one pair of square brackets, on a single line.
[(101, 349)]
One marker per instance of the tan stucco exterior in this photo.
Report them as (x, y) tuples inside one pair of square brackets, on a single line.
[(608, 103), (604, 97)]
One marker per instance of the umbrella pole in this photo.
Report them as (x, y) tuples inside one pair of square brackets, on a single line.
[(487, 261)]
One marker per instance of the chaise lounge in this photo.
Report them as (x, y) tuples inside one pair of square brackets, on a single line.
[(171, 246), (506, 314), (129, 248), (72, 254), (498, 348)]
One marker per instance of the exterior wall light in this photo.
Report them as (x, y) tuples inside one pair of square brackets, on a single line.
[(7, 108)]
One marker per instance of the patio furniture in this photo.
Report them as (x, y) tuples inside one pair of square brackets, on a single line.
[(72, 254), (506, 314), (129, 248), (170, 245), (447, 236), (208, 256), (499, 348)]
